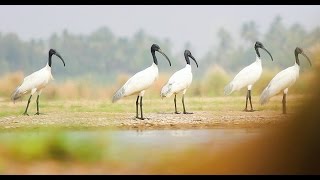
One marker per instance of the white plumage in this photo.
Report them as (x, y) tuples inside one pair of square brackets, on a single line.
[(245, 78), (138, 83), (36, 82), (283, 81), (141, 81), (248, 76), (179, 81)]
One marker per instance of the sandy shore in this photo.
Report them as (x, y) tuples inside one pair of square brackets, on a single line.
[(200, 119), (216, 112)]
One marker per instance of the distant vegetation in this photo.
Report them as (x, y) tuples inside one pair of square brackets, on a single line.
[(98, 63)]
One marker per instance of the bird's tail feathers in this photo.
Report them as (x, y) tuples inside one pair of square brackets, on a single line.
[(17, 94), (264, 98), (166, 91), (118, 95), (228, 89)]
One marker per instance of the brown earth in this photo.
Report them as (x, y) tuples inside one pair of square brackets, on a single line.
[(199, 119)]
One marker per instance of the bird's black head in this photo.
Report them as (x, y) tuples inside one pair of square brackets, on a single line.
[(154, 48), (54, 52), (298, 51), (260, 45), (188, 54)]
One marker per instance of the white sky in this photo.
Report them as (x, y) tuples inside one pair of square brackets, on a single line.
[(194, 23)]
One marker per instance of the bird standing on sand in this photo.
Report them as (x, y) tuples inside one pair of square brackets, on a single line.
[(36, 82), (141, 81), (179, 82), (247, 76), (283, 80)]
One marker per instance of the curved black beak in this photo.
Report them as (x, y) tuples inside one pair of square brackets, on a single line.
[(159, 50), (57, 54), (267, 52), (306, 57), (194, 60)]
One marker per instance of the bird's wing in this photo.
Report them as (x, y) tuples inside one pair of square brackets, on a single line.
[(26, 85), (166, 89), (177, 82), (241, 79), (279, 82), (170, 88), (245, 74), (138, 82)]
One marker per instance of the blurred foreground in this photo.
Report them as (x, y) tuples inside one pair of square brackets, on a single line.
[(78, 137)]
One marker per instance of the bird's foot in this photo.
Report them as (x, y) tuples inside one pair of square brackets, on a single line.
[(177, 112), (39, 113), (187, 112), (246, 110), (142, 118), (25, 113)]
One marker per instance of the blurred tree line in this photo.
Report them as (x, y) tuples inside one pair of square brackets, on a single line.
[(102, 56), (280, 40)]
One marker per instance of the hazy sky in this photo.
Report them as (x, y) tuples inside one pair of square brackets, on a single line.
[(196, 24)]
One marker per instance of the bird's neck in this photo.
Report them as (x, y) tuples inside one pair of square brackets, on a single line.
[(48, 67), (257, 52), (297, 59), (155, 61), (188, 66), (258, 59), (155, 69), (49, 60), (187, 59), (296, 65), (153, 65)]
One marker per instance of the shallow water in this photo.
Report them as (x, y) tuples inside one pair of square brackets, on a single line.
[(132, 145), (173, 140), (193, 137)]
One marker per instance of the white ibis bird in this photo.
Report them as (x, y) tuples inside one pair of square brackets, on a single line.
[(283, 81), (179, 82), (247, 76), (141, 81), (36, 82)]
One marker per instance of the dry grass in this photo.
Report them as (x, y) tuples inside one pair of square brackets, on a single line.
[(210, 85)]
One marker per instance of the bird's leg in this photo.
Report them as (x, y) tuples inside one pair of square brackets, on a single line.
[(37, 106), (25, 112), (248, 97), (247, 101), (184, 109), (141, 109), (284, 109), (250, 101), (175, 104), (137, 103)]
